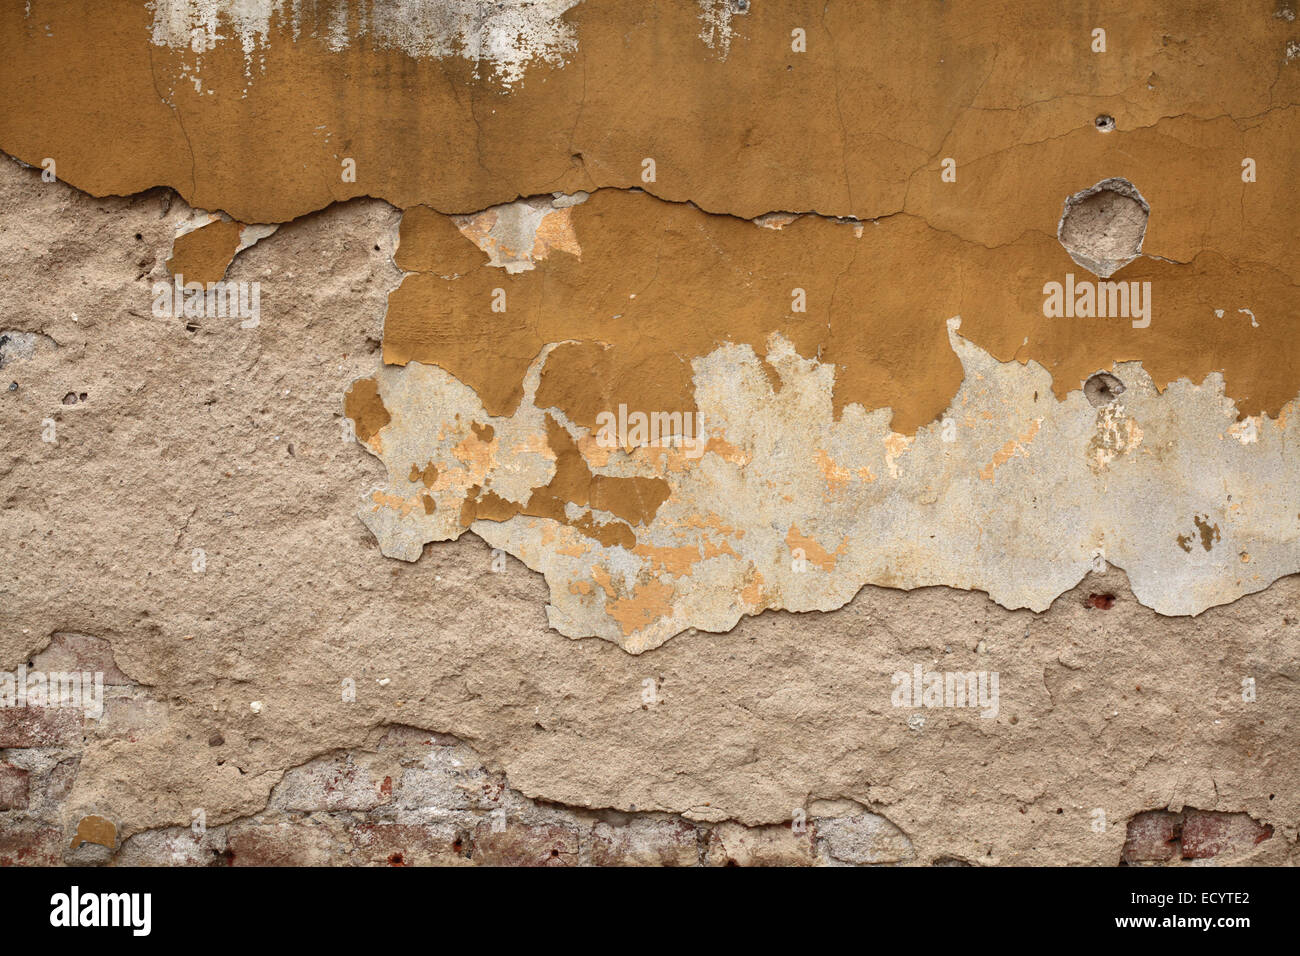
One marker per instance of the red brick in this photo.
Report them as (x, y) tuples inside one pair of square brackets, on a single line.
[(1208, 833), (81, 653), (645, 843), (174, 846), (332, 783), (1153, 836), (283, 844), (13, 788), (521, 845), (30, 845), (731, 844), (396, 844), (39, 726)]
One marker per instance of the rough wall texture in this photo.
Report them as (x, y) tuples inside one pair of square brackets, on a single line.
[(681, 434)]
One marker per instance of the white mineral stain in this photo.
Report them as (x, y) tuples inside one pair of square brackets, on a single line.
[(504, 36), (715, 24)]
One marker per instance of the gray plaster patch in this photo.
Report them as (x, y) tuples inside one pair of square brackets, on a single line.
[(1102, 227), (21, 346)]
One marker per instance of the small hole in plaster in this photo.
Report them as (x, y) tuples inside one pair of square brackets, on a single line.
[(139, 236), (1103, 388), (1105, 123), (1102, 602), (1102, 227)]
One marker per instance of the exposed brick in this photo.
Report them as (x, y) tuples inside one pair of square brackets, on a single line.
[(521, 845), (174, 846), (13, 788), (1208, 833), (645, 843), (397, 844), (39, 726), (449, 778), (68, 651), (731, 844), (50, 789), (866, 838), (331, 783), (30, 844), (297, 843), (1153, 836)]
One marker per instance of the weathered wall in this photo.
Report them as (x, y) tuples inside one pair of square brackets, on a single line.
[(376, 573)]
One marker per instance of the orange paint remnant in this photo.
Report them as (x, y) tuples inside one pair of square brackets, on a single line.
[(895, 445), (610, 534), (402, 505), (112, 140), (602, 578), (606, 358), (95, 829), (476, 454), (648, 603), (1209, 532), (812, 550), (1012, 446), (835, 475), (363, 404), (596, 454), (711, 550), (676, 561), (727, 451), (534, 444), (204, 254), (713, 523), (752, 594), (429, 242), (555, 232), (477, 228), (481, 505), (428, 475), (634, 500), (581, 587)]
